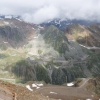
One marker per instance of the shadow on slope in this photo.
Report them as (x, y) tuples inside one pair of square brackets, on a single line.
[(29, 72)]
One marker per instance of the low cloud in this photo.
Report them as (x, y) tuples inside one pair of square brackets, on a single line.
[(37, 11), (41, 15)]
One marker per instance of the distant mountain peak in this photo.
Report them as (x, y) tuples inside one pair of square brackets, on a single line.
[(64, 22)]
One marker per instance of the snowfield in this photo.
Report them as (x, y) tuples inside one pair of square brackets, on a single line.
[(53, 92)]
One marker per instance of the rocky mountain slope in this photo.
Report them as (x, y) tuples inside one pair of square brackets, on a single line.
[(94, 85), (63, 23), (41, 59), (86, 35), (15, 33), (47, 54), (10, 91), (30, 54), (66, 47), (56, 38)]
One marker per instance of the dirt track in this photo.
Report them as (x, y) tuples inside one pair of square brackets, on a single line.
[(10, 91), (53, 91), (66, 93)]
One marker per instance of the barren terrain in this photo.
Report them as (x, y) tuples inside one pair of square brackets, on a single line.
[(68, 93)]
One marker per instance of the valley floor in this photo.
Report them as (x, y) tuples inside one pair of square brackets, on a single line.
[(67, 93), (47, 91)]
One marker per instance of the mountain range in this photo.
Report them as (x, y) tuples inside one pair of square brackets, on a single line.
[(56, 53), (63, 23)]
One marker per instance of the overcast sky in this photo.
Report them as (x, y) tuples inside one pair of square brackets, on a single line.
[(38, 11)]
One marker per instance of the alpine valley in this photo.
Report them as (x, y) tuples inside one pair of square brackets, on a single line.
[(43, 60)]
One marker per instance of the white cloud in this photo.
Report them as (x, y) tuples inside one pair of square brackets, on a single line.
[(37, 11), (40, 15)]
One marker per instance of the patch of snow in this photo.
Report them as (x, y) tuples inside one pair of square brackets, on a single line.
[(37, 87), (48, 21), (40, 27), (57, 22), (88, 99), (29, 88), (53, 92), (5, 42), (19, 19), (33, 28), (89, 47), (63, 19), (70, 84), (40, 84), (7, 23), (34, 85), (8, 16), (56, 67)]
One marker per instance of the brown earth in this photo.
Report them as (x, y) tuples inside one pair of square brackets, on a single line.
[(85, 35), (68, 93), (47, 92), (15, 92)]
